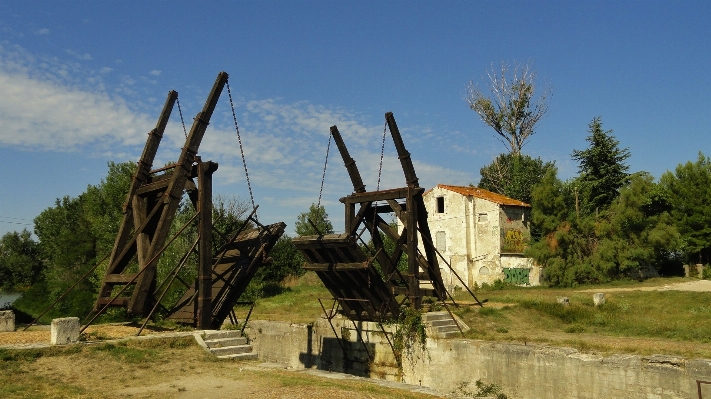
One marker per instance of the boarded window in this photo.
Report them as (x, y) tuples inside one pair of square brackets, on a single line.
[(483, 218), (441, 241), (484, 271), (440, 204)]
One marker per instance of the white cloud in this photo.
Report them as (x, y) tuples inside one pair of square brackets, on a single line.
[(43, 114), (51, 105), (43, 31), (155, 72)]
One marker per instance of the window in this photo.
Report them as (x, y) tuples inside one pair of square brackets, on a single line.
[(441, 241), (440, 204)]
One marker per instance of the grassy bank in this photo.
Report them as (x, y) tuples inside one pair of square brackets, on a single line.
[(631, 321)]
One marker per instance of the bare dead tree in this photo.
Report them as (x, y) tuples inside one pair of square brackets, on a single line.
[(511, 109)]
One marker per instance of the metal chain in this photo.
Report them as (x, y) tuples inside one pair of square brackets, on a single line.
[(241, 150), (323, 178), (382, 153), (181, 118)]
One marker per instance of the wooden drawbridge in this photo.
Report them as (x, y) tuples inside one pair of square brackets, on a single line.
[(364, 290)]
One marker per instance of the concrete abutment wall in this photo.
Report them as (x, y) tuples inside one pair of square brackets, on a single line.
[(522, 371)]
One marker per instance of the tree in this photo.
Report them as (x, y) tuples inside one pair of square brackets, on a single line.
[(20, 264), (318, 216), (635, 231), (601, 167), (688, 190), (511, 109), (514, 176)]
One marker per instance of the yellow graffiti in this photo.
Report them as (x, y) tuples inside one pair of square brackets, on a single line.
[(514, 240)]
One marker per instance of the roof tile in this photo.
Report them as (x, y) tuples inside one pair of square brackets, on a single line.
[(483, 194)]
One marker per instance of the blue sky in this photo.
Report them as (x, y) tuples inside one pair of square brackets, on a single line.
[(81, 83)]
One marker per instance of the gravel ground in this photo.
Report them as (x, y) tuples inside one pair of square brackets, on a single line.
[(41, 334)]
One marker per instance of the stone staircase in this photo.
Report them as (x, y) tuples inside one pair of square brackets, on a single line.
[(441, 325), (226, 344)]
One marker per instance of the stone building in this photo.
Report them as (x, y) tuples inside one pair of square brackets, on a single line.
[(481, 234)]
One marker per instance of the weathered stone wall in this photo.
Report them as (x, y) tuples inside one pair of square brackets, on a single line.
[(522, 371)]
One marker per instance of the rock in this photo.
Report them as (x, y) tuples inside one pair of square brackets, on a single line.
[(65, 331), (563, 300), (599, 298), (7, 320)]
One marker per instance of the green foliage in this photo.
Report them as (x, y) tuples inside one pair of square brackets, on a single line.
[(514, 176), (409, 335), (20, 264), (633, 231), (688, 190), (67, 244), (318, 216), (286, 261), (602, 168)]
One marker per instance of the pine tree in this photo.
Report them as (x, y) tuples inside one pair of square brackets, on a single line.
[(602, 168)]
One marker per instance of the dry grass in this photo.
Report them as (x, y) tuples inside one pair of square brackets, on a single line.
[(163, 368)]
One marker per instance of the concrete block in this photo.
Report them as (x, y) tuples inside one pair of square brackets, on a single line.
[(65, 331), (563, 300), (687, 271), (7, 320), (699, 271), (599, 298)]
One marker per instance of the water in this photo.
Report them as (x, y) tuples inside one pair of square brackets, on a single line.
[(8, 298)]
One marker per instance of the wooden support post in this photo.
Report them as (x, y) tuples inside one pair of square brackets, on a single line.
[(204, 300), (350, 163), (413, 265), (402, 153)]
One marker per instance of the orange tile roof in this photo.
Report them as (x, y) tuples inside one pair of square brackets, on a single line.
[(483, 194)]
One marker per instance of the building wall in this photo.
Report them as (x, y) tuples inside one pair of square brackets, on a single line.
[(471, 233)]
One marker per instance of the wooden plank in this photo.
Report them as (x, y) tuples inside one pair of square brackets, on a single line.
[(120, 301), (372, 196), (118, 278)]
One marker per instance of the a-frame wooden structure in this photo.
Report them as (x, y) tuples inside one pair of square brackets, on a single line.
[(150, 209), (351, 276)]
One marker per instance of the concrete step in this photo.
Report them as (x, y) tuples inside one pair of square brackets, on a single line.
[(444, 322), (219, 334), (450, 334), (225, 342), (231, 350), (445, 329), (240, 356), (432, 316)]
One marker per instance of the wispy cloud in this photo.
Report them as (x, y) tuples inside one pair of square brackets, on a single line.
[(155, 72), (59, 106), (80, 56), (43, 31)]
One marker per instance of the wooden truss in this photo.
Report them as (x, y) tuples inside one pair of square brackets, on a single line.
[(363, 291), (151, 206)]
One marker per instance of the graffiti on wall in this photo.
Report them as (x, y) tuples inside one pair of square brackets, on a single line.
[(517, 275), (514, 240)]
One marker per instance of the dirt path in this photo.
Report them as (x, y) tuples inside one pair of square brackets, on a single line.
[(697, 286)]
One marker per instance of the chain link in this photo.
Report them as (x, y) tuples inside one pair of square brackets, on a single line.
[(382, 153), (181, 118), (323, 178), (241, 150)]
